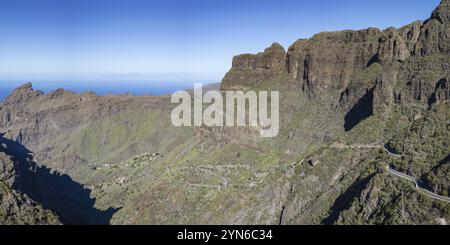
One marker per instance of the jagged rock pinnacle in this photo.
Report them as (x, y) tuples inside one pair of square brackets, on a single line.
[(442, 12), (23, 93)]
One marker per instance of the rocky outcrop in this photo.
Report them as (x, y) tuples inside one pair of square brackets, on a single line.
[(410, 34), (442, 12), (435, 32), (441, 92), (252, 70), (392, 47), (22, 94)]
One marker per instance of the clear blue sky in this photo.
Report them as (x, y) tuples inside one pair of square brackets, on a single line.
[(168, 40)]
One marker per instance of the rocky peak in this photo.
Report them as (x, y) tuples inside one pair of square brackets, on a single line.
[(442, 12), (275, 48), (273, 57), (411, 34), (23, 88), (251, 69), (435, 31), (22, 94), (58, 93)]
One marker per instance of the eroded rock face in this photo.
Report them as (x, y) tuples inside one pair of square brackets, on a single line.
[(249, 70), (328, 62), (435, 32), (392, 47), (406, 65), (22, 95), (411, 33), (442, 12)]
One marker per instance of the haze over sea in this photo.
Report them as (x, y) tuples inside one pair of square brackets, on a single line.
[(101, 88)]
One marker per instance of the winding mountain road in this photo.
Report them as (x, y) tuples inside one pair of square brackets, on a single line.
[(392, 154), (418, 184)]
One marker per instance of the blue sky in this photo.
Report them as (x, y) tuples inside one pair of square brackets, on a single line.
[(169, 40)]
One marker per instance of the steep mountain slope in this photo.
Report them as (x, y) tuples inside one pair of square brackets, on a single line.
[(87, 127), (343, 97), (385, 199), (16, 207)]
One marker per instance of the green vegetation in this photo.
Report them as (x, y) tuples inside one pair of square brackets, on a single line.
[(426, 69)]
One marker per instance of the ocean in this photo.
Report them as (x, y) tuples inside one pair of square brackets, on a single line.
[(102, 88)]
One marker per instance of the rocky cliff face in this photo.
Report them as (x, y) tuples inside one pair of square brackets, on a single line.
[(251, 69), (442, 12), (406, 65)]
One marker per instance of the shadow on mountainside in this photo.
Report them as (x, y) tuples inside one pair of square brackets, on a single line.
[(446, 160), (57, 192), (392, 150), (361, 110), (344, 201)]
